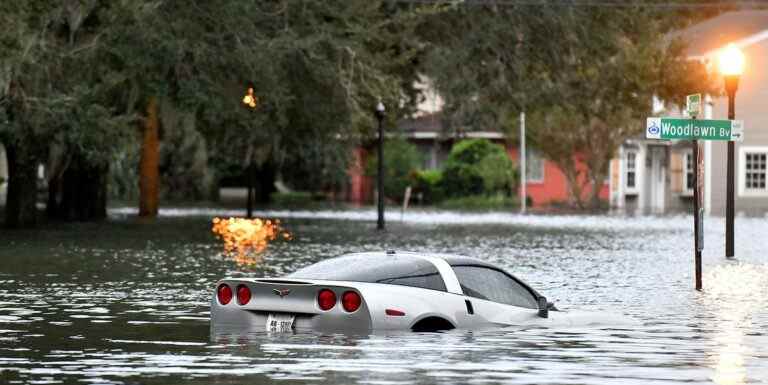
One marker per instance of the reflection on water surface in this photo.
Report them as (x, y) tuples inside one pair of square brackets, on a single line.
[(127, 302)]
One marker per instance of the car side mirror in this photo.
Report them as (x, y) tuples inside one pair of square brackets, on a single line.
[(543, 307)]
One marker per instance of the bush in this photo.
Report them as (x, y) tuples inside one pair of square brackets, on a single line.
[(428, 183), (401, 160), (498, 172), (292, 199), (481, 202), (477, 167)]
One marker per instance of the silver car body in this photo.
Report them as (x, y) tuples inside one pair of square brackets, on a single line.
[(298, 296)]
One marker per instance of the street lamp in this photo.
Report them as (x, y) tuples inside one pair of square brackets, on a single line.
[(379, 112), (731, 66), (250, 100)]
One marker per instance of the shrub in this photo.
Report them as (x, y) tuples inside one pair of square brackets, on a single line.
[(401, 160), (498, 172), (428, 183), (476, 167)]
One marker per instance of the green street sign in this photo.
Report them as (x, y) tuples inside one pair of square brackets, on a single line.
[(687, 129), (693, 105)]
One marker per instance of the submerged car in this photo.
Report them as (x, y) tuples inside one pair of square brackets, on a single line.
[(379, 291)]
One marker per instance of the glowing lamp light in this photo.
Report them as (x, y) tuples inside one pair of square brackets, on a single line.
[(245, 239), (250, 99), (731, 61)]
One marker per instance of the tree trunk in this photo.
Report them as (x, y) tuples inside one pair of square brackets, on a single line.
[(83, 193), (20, 207), (572, 177), (597, 178), (149, 166), (52, 208)]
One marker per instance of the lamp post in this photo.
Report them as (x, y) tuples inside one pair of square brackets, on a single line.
[(731, 66), (250, 101), (380, 174)]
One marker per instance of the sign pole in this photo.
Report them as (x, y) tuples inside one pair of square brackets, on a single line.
[(698, 212), (693, 104), (693, 129)]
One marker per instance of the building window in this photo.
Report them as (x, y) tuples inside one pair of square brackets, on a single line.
[(689, 170), (631, 169), (753, 171), (754, 164), (534, 166)]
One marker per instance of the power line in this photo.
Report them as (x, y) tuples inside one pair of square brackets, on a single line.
[(592, 3)]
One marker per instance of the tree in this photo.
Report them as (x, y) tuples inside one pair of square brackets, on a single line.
[(55, 98), (606, 94), (318, 69)]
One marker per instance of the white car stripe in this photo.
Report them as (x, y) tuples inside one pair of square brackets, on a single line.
[(446, 271)]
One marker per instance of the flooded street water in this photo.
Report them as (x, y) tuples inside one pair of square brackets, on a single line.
[(126, 302)]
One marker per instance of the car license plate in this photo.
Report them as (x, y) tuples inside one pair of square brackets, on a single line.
[(280, 322)]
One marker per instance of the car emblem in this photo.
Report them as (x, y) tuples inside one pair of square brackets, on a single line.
[(281, 292)]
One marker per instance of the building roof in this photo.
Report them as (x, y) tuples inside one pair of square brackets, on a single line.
[(742, 28), (430, 126)]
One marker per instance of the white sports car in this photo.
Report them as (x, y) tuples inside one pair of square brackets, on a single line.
[(379, 291)]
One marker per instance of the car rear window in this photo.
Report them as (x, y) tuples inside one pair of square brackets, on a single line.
[(403, 270)]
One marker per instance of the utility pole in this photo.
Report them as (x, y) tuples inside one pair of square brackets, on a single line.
[(380, 177), (523, 176)]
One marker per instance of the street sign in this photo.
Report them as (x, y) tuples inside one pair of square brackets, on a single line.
[(693, 105), (690, 129)]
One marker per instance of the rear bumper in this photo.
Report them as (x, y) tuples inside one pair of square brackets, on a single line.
[(232, 316)]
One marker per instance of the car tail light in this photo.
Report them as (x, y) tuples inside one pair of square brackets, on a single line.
[(326, 299), (243, 294), (224, 293), (350, 301)]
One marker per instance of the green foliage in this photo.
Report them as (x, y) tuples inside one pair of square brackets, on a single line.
[(476, 167), (481, 202), (498, 172), (401, 160), (428, 185), (183, 157), (123, 173)]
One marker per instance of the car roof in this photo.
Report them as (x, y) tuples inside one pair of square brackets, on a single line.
[(452, 259)]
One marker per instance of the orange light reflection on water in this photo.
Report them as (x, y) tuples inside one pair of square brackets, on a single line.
[(736, 293), (246, 239)]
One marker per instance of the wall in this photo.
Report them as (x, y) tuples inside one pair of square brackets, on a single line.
[(554, 187)]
